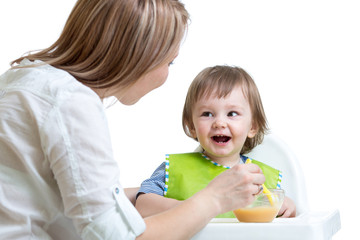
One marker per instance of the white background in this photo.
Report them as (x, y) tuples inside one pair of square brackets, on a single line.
[(303, 55)]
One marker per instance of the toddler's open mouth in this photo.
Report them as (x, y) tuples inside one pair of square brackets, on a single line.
[(221, 138)]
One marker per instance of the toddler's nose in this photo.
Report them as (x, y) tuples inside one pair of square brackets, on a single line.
[(219, 123)]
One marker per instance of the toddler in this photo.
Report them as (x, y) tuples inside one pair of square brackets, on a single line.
[(224, 113)]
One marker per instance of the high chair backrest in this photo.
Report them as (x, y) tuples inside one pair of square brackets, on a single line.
[(276, 153)]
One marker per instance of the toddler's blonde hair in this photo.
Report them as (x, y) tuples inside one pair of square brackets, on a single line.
[(221, 80)]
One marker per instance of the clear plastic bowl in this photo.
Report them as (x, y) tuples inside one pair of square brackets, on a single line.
[(264, 208)]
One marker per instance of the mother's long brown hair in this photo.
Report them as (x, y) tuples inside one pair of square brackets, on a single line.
[(109, 43)]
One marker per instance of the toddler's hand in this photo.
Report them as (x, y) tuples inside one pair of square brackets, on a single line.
[(288, 209)]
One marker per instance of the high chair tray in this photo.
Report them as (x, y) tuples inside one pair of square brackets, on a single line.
[(309, 225)]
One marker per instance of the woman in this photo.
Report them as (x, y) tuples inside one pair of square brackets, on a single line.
[(58, 175)]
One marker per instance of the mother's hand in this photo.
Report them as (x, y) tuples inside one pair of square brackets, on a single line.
[(236, 187)]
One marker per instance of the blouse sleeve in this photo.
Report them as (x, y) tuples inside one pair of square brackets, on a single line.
[(76, 141)]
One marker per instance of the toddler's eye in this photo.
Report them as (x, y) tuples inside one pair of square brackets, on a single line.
[(171, 63), (206, 114), (232, 114)]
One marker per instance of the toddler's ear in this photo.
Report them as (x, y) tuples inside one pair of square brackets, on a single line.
[(193, 133), (253, 131)]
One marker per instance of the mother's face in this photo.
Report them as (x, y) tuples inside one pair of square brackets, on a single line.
[(150, 81)]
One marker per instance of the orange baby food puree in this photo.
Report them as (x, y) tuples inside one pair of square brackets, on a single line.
[(257, 214)]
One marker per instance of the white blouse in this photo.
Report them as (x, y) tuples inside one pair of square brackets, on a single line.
[(56, 161)]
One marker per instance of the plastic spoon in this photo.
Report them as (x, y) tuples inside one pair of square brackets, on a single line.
[(265, 189)]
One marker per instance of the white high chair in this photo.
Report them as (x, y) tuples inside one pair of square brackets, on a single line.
[(306, 225)]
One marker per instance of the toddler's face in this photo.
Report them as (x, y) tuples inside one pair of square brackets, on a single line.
[(222, 126)]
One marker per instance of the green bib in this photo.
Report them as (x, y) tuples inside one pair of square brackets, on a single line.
[(188, 173)]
